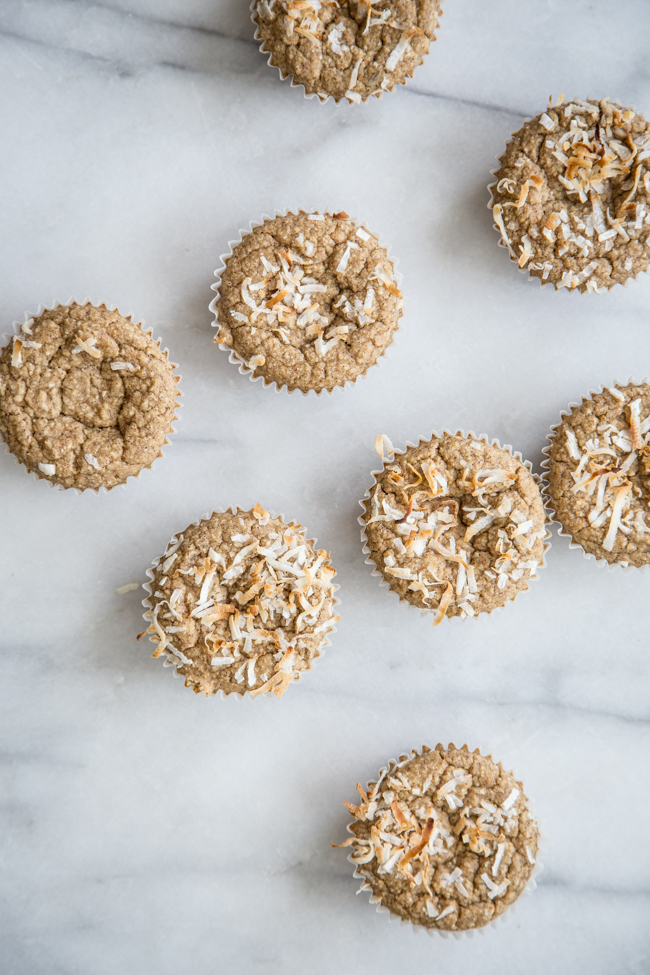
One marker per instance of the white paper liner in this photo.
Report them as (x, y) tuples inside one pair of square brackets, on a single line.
[(526, 270), (149, 331), (548, 500), (239, 361), (364, 538), (439, 932), (171, 660), (322, 97)]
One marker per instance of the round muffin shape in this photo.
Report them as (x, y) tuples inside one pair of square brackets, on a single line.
[(346, 49), (308, 301), (598, 480), (241, 601), (444, 839), (87, 397), (572, 194), (454, 525)]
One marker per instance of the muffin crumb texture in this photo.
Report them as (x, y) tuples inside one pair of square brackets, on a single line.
[(308, 301), (455, 525), (444, 839), (241, 602), (347, 49), (572, 195), (87, 397), (599, 474)]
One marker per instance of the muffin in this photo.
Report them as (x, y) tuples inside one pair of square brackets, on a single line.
[(572, 193), (241, 602), (87, 397), (598, 474), (444, 839), (455, 525), (346, 49), (307, 301)]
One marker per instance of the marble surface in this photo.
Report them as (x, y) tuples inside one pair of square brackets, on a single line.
[(145, 830)]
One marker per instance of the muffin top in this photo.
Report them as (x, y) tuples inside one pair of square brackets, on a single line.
[(444, 839), (455, 525), (347, 49), (241, 602), (599, 474), (572, 195), (308, 300), (87, 397)]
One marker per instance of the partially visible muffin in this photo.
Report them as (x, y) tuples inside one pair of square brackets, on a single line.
[(348, 49), (241, 602), (444, 839), (455, 525), (308, 301), (87, 397), (572, 195), (599, 474)]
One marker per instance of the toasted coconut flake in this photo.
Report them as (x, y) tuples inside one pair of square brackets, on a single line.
[(348, 842), (420, 845), (526, 251), (384, 447), (494, 890), (616, 393), (87, 346), (480, 525), (444, 605), (634, 409), (16, 356), (345, 259), (511, 799), (615, 521), (507, 185), (116, 366), (496, 211), (497, 860), (401, 48), (446, 912), (129, 587)]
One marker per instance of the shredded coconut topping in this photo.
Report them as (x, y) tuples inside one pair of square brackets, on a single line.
[(264, 610), (415, 825), (603, 499), (343, 45), (575, 179), (451, 533), (318, 295)]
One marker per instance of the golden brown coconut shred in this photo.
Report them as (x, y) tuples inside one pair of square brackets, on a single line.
[(455, 525), (444, 839), (87, 397), (347, 49), (572, 195)]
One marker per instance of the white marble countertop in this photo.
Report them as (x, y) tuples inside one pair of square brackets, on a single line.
[(147, 831)]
